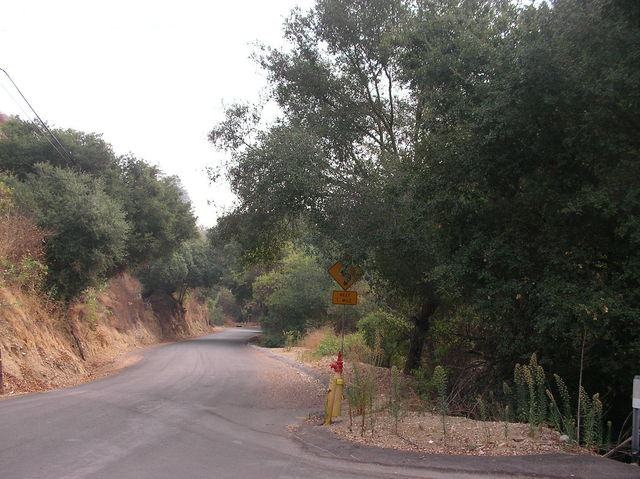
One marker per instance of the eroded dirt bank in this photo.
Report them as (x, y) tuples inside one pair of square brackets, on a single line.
[(46, 347)]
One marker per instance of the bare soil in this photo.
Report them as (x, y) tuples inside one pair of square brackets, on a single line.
[(420, 428), (47, 346)]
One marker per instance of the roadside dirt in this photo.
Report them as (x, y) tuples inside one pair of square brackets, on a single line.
[(419, 427), (48, 346)]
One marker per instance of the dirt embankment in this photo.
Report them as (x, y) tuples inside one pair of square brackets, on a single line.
[(44, 347)]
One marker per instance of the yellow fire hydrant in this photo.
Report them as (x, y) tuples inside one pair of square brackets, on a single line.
[(333, 407)]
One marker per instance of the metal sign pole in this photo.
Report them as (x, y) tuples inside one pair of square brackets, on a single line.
[(635, 433)]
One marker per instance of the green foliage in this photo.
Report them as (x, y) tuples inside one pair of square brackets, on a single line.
[(290, 338), (223, 307), (292, 297), (535, 409), (530, 383), (101, 213), (23, 147), (440, 383), (190, 266), (336, 157), (484, 157), (354, 346), (388, 332), (483, 414), (157, 209), (87, 229), (360, 393), (268, 340), (529, 164)]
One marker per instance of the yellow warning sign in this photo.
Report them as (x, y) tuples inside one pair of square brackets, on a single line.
[(345, 276), (345, 297)]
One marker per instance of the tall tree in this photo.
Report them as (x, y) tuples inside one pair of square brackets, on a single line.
[(86, 229), (530, 157), (156, 207), (340, 155)]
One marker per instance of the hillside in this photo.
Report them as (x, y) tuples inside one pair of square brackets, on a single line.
[(45, 347)]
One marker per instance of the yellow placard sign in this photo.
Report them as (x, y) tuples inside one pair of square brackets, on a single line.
[(345, 276), (345, 297)]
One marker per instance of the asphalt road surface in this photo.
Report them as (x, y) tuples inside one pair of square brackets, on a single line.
[(206, 408)]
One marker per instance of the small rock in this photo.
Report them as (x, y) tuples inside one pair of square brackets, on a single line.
[(564, 438)]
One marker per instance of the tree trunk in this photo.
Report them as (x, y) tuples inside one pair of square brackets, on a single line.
[(421, 325)]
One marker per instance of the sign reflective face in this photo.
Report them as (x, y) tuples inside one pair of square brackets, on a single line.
[(345, 276), (345, 297)]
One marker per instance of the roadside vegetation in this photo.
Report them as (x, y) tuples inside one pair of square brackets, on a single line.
[(479, 161)]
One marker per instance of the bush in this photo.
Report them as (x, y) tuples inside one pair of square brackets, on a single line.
[(354, 345), (390, 334), (87, 229), (271, 340), (292, 297)]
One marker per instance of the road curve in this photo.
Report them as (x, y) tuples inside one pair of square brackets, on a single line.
[(206, 408)]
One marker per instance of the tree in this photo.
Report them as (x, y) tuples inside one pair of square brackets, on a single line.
[(338, 156), (292, 297), (157, 209), (528, 157), (86, 229), (24, 145), (480, 157), (190, 266)]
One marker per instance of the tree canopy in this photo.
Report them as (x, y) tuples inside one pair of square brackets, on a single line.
[(102, 213), (478, 157)]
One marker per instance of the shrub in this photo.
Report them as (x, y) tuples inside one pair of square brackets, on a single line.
[(354, 345), (389, 333), (271, 340)]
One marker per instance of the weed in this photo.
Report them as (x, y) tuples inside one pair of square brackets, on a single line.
[(505, 425), (290, 338), (439, 380), (360, 393), (395, 400), (482, 412)]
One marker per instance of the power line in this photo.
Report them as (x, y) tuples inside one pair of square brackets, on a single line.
[(26, 114), (59, 148)]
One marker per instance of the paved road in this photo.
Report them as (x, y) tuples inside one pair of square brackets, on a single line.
[(205, 408)]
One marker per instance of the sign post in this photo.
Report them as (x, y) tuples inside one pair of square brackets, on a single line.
[(345, 276)]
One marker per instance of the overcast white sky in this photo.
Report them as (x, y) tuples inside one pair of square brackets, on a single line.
[(151, 76)]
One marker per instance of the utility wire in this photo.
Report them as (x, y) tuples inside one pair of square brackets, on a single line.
[(10, 95), (59, 148)]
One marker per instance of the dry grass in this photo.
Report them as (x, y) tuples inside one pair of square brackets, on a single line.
[(312, 340), (20, 238), (21, 251)]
